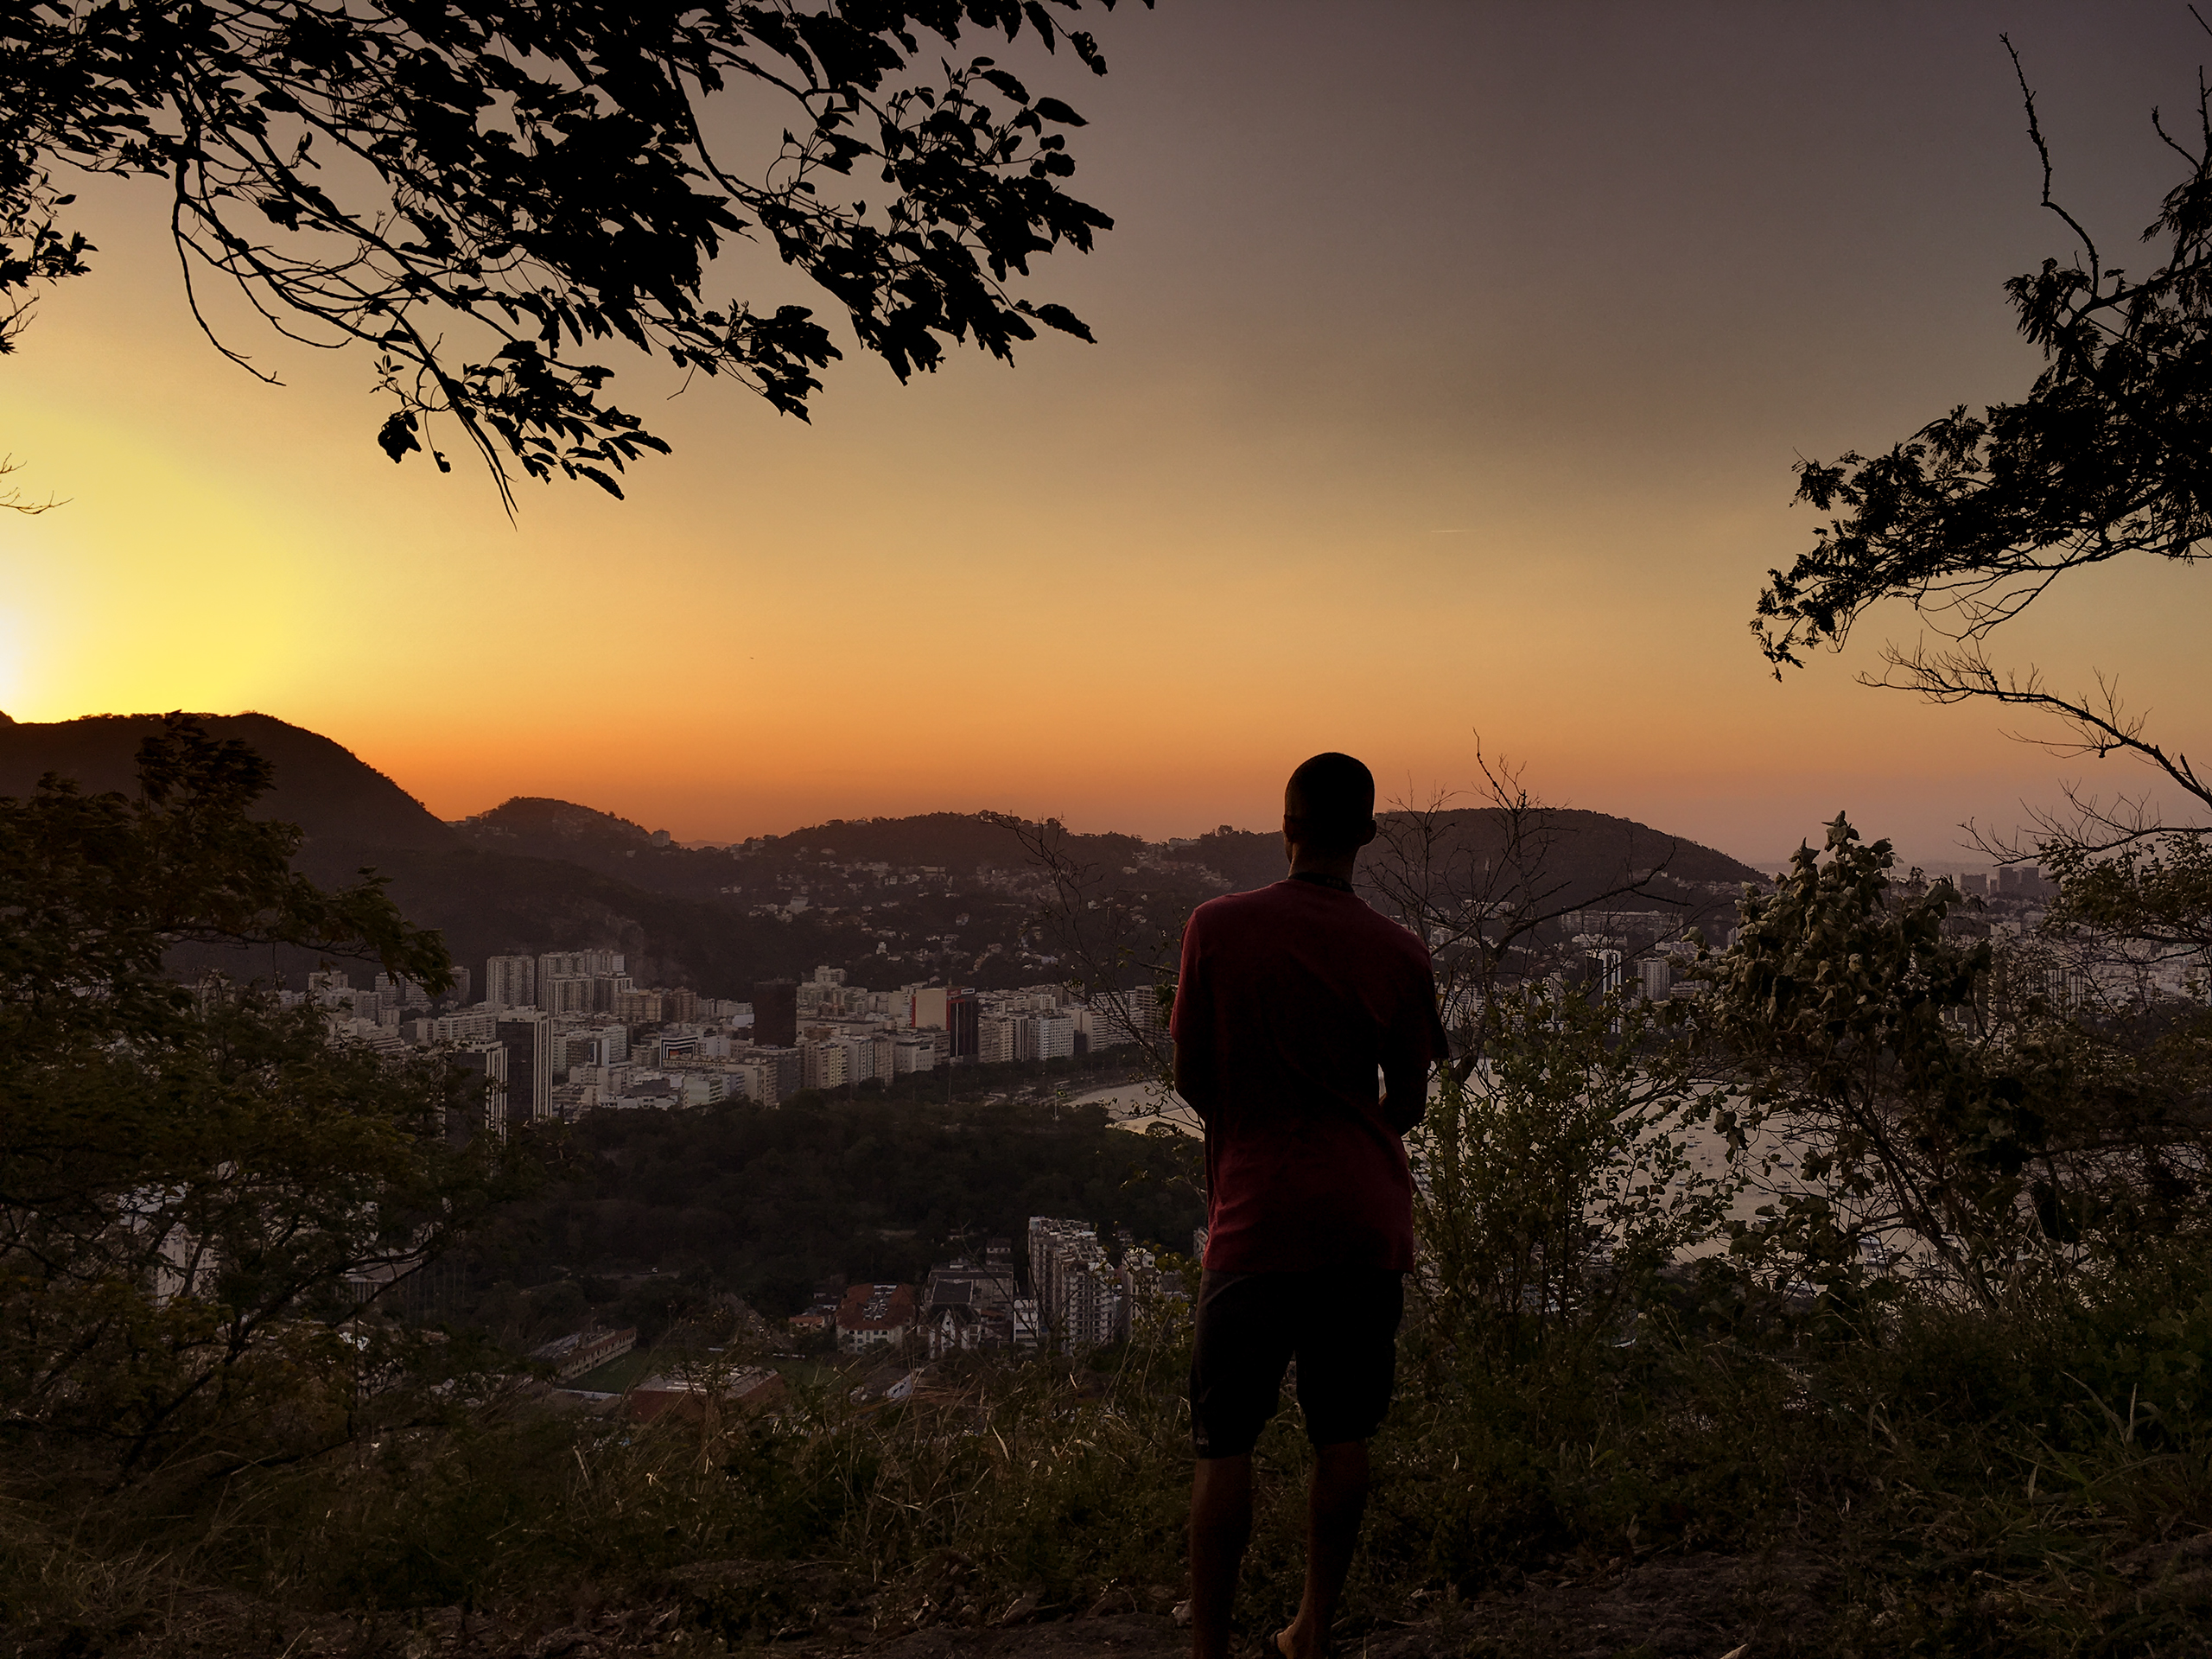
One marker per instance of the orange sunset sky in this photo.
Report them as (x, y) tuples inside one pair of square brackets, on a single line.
[(1452, 362)]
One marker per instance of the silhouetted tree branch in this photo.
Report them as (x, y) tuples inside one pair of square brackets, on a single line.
[(13, 500), (484, 193), (1972, 518), (1109, 950), (1481, 903), (2097, 726)]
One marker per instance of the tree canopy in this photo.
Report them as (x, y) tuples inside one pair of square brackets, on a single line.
[(189, 1175), (488, 194), (1974, 516)]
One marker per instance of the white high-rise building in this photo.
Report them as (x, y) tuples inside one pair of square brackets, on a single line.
[(1080, 1298), (400, 992), (1144, 1010), (456, 1028), (578, 964), (564, 993), (1054, 1038), (821, 1065), (859, 1057), (510, 983), (1602, 972), (997, 1039)]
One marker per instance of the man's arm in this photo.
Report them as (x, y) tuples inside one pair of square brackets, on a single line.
[(1418, 1043), (1405, 1094), (1190, 1027), (1194, 1079)]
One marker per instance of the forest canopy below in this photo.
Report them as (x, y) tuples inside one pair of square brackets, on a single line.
[(771, 1203)]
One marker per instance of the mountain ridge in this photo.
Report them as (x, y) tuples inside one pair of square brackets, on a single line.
[(336, 798), (928, 896)]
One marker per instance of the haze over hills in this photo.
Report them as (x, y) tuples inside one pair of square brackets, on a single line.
[(943, 895)]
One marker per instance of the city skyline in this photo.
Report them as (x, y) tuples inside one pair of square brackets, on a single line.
[(1451, 367)]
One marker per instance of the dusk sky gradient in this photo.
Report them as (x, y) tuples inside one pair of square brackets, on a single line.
[(1454, 360)]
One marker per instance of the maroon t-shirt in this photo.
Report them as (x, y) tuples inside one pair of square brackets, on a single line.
[(1292, 996)]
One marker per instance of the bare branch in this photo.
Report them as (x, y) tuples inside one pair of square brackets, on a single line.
[(13, 500), (1110, 954), (2099, 726), (2043, 150)]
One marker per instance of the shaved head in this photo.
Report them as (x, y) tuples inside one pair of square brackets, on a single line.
[(1330, 800)]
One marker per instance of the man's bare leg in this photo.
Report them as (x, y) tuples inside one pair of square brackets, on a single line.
[(1334, 1503), (1221, 1525)]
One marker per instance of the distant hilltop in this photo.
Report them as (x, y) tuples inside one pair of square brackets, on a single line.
[(339, 799), (942, 896), (1575, 847)]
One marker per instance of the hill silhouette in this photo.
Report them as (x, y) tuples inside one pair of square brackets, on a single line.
[(538, 827), (344, 805), (539, 820), (1586, 853), (956, 842), (933, 895)]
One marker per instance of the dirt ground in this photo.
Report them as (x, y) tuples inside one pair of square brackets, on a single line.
[(1660, 1607), (1694, 1607)]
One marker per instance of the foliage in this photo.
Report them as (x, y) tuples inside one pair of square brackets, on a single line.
[(483, 193), (770, 1202), (2150, 899), (1973, 518), (2024, 1483), (1946, 1102), (187, 1177), (1837, 1005), (1559, 1177), (1976, 517), (1492, 888), (1633, 1448)]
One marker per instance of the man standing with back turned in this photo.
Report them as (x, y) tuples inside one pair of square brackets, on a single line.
[(1290, 1000)]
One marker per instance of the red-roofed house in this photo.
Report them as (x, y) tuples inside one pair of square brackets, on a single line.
[(874, 1316)]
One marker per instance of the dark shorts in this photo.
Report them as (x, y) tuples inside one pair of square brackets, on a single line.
[(1340, 1325)]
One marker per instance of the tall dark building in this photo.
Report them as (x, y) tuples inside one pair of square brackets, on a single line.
[(481, 1106), (529, 1044), (962, 1013), (775, 1013)]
